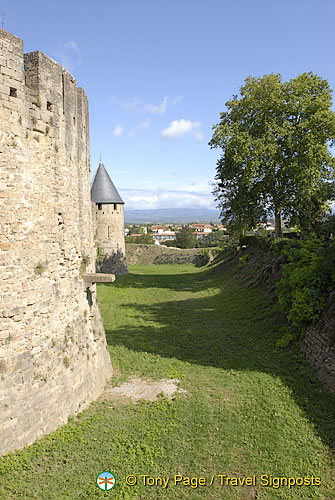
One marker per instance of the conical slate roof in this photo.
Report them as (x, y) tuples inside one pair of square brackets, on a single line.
[(102, 189)]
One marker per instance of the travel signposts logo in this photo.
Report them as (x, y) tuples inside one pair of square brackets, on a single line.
[(105, 480)]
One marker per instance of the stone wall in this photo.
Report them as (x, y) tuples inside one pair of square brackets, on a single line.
[(318, 345), (53, 356)]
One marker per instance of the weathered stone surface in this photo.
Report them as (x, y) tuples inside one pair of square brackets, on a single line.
[(318, 345), (109, 238), (52, 365), (91, 278)]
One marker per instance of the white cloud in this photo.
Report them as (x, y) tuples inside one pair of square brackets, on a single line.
[(118, 131), (200, 186), (133, 105), (137, 105), (140, 126), (146, 199), (198, 135), (68, 55), (159, 109), (178, 128), (177, 99)]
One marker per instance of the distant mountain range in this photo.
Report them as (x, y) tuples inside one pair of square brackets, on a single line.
[(171, 215)]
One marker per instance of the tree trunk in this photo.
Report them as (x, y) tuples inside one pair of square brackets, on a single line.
[(278, 230), (241, 236)]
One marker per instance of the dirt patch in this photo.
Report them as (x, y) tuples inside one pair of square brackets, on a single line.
[(136, 388)]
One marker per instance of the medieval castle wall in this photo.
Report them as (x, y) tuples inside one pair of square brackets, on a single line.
[(53, 355)]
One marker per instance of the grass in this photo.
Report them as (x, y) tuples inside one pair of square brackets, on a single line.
[(249, 408)]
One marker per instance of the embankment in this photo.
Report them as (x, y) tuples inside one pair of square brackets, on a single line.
[(154, 254), (259, 268)]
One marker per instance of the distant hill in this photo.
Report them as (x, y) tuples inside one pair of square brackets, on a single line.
[(176, 215)]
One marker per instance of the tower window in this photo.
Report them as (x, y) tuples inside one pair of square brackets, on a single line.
[(99, 206), (12, 92), (63, 90), (49, 106), (114, 206)]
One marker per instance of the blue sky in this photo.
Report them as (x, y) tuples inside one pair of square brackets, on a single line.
[(158, 73)]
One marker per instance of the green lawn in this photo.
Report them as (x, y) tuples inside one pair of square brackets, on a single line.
[(250, 409)]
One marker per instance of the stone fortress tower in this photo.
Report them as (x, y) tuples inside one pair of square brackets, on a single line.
[(108, 216), (53, 354)]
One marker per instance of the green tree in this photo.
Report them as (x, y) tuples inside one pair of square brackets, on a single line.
[(133, 230), (185, 238), (169, 243), (144, 239), (275, 137)]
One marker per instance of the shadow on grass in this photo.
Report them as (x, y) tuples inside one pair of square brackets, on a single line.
[(183, 282), (231, 328)]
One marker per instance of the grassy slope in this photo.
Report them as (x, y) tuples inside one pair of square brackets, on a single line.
[(249, 409)]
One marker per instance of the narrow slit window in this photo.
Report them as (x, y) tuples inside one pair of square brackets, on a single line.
[(13, 92), (63, 89), (115, 206), (49, 106), (99, 206), (74, 121)]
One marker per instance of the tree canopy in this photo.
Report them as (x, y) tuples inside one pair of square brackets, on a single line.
[(275, 139), (144, 239), (185, 238)]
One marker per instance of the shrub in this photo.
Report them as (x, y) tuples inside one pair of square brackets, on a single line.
[(277, 245), (169, 243), (37, 101), (292, 235), (328, 226), (100, 255), (66, 362), (144, 239), (243, 260), (254, 241), (83, 265), (308, 278), (40, 268)]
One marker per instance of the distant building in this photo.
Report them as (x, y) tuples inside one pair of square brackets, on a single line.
[(108, 216), (160, 233), (200, 230), (164, 236), (158, 229)]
